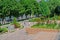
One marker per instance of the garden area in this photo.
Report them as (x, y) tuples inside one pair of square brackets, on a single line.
[(20, 18), (31, 15), (45, 12), (53, 22)]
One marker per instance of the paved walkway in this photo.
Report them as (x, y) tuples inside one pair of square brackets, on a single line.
[(22, 35), (45, 36), (19, 34), (58, 36)]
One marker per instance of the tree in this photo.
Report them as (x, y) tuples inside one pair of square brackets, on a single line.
[(44, 8), (52, 5), (9, 8), (31, 6), (57, 10)]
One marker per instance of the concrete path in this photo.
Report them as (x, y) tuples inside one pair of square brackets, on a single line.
[(58, 36), (22, 35), (19, 34), (45, 36)]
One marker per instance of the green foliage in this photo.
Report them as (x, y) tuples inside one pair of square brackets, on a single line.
[(18, 8), (28, 7), (47, 26), (10, 7), (57, 10), (0, 29), (15, 23), (3, 30), (53, 4), (31, 6), (39, 19), (55, 18), (44, 8), (35, 20)]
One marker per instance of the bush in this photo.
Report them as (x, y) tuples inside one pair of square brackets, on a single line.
[(15, 23), (48, 26), (35, 20), (3, 30), (56, 18)]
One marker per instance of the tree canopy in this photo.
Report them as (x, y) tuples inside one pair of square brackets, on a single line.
[(28, 7), (44, 8)]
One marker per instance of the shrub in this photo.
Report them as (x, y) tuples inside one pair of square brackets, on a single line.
[(35, 20), (15, 23), (3, 30), (48, 26)]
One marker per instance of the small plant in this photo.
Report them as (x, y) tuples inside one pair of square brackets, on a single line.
[(15, 23), (3, 30)]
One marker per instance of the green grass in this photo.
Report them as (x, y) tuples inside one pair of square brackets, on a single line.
[(35, 19), (47, 26)]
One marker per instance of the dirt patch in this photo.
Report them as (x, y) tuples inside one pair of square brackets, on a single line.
[(36, 30)]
